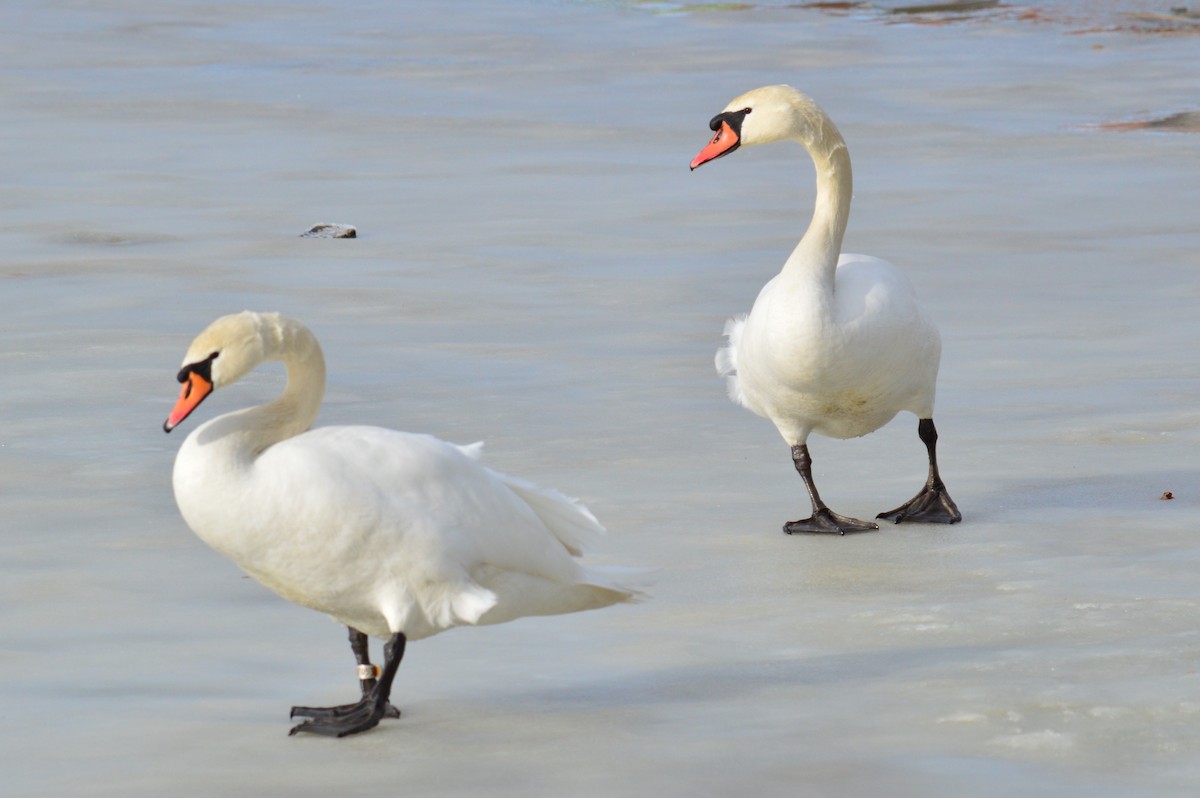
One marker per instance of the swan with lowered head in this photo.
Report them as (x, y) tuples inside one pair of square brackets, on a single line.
[(396, 535), (835, 343)]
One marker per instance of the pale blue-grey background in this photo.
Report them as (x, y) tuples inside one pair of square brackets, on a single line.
[(537, 267)]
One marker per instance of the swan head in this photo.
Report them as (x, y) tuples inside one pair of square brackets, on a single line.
[(227, 349), (761, 116)]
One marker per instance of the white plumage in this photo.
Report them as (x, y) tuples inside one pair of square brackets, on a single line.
[(835, 344), (842, 364), (391, 533)]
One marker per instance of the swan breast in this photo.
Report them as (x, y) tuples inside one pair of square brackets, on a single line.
[(842, 364)]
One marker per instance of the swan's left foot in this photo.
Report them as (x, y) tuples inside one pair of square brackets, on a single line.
[(932, 505), (344, 720)]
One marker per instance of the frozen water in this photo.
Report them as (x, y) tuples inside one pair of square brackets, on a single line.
[(536, 267)]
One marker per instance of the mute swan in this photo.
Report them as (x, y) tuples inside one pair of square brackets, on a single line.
[(833, 344), (395, 535)]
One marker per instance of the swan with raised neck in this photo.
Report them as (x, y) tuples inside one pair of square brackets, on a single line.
[(396, 535), (835, 343)]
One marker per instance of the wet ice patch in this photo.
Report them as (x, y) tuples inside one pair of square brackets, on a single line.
[(907, 621), (963, 717), (1109, 713), (1046, 740)]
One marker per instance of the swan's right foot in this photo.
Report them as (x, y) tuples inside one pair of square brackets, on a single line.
[(367, 677), (823, 521), (339, 711), (349, 719), (827, 522)]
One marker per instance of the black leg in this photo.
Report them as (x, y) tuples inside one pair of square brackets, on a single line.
[(367, 674), (933, 504), (823, 519), (362, 655)]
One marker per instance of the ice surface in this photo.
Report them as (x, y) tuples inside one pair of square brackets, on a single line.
[(537, 267)]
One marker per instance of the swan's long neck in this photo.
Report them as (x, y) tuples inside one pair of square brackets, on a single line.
[(816, 256), (295, 410), (244, 434)]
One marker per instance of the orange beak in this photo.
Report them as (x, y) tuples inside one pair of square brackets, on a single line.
[(723, 143), (195, 389)]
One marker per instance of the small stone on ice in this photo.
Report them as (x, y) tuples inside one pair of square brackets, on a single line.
[(331, 231)]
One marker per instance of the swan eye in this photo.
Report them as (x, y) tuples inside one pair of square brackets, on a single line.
[(203, 368), (747, 110)]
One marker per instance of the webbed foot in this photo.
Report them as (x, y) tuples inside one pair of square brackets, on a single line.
[(347, 719), (344, 709), (827, 522), (342, 721), (932, 505)]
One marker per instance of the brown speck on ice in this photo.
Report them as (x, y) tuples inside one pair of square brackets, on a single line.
[(1185, 122)]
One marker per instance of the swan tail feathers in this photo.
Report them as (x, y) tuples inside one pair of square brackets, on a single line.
[(567, 519), (626, 585), (464, 603), (727, 360), (472, 450)]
